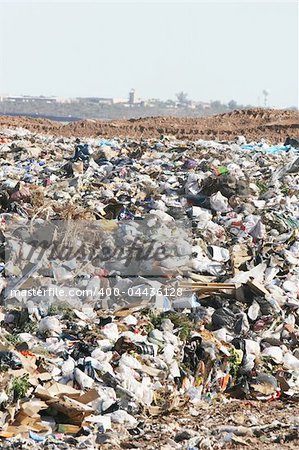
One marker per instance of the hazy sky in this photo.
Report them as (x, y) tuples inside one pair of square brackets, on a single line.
[(223, 50)]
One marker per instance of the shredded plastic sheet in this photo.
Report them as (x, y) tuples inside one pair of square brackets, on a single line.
[(273, 150)]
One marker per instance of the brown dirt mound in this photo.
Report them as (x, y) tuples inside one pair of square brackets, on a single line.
[(254, 124)]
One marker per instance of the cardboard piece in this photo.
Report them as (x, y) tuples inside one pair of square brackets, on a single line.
[(73, 409), (58, 389), (88, 397), (257, 287)]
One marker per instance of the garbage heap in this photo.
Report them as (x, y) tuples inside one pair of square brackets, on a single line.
[(102, 372)]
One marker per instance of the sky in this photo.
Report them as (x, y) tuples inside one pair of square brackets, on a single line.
[(210, 50)]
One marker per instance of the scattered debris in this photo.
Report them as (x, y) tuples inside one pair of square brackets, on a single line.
[(191, 348)]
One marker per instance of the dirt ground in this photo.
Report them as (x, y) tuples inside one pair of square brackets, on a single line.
[(262, 426), (255, 124)]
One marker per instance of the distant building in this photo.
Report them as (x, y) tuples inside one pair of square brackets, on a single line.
[(64, 100), (204, 105), (119, 100), (132, 97), (105, 101), (96, 100), (131, 101), (102, 100), (28, 99)]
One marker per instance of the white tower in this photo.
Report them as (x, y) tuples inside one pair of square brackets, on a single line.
[(266, 95)]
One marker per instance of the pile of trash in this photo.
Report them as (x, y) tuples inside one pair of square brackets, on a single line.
[(213, 320)]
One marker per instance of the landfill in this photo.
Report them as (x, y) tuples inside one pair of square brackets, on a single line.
[(194, 350)]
